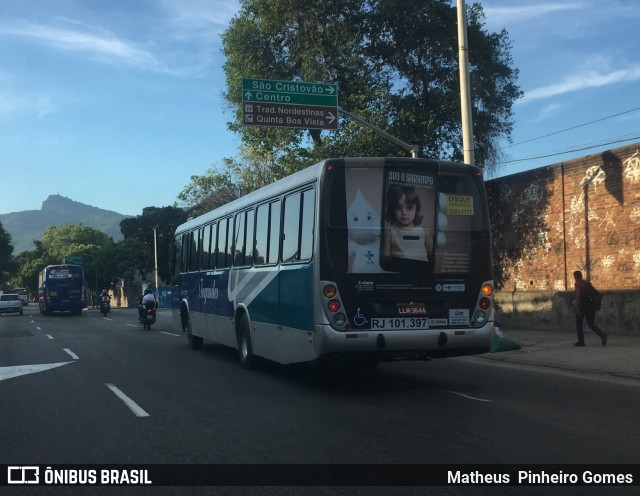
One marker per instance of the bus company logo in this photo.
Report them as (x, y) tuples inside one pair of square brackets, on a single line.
[(208, 293), (365, 286), (23, 474)]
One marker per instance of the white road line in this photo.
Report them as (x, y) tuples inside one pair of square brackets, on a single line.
[(105, 318), (170, 334), (465, 395), (18, 370), (49, 336), (133, 406), (71, 354), (132, 325), (38, 328)]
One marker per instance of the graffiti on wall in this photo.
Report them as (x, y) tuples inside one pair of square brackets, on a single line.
[(576, 215)]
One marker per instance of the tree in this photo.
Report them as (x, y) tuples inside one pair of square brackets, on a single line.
[(395, 63), (59, 242), (6, 255), (164, 220)]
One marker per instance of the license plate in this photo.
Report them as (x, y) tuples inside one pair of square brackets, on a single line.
[(399, 323), (149, 317), (411, 309)]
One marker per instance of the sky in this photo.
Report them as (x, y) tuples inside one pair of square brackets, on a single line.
[(117, 104)]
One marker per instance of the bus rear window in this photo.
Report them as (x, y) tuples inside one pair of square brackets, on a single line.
[(408, 218)]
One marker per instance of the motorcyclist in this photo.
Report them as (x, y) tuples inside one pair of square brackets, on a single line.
[(105, 300), (146, 298)]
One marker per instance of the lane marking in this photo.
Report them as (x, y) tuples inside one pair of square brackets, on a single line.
[(49, 336), (133, 406), (131, 325), (71, 353), (38, 328), (465, 395), (18, 370), (170, 334)]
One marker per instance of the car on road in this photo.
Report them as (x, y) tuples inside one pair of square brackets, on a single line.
[(10, 303)]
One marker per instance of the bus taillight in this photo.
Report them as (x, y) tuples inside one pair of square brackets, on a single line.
[(329, 291), (333, 306), (484, 303), (487, 289)]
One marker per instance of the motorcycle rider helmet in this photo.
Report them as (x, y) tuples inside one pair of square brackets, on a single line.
[(147, 291)]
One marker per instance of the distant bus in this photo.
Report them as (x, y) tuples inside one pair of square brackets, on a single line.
[(362, 259), (24, 295), (62, 288)]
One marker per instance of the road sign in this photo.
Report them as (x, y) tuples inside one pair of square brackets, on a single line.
[(293, 104), (73, 260)]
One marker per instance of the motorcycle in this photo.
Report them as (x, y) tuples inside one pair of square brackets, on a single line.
[(105, 305), (148, 315)]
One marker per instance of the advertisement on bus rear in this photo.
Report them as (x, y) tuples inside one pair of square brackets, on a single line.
[(405, 220)]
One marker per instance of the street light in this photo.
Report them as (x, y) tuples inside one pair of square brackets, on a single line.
[(155, 257)]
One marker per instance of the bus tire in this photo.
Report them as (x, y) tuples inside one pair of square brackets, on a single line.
[(194, 341), (245, 350)]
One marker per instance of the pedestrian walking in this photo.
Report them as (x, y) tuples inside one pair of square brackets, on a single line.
[(586, 308)]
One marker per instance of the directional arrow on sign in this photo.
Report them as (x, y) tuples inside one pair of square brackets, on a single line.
[(18, 370)]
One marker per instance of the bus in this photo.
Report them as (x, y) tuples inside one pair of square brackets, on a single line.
[(358, 259), (62, 288), (24, 295)]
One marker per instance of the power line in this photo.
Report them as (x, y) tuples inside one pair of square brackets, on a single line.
[(574, 127), (569, 151)]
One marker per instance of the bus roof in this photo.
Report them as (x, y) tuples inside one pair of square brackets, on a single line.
[(311, 173)]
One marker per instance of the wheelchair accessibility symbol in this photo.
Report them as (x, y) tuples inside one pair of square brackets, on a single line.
[(359, 319)]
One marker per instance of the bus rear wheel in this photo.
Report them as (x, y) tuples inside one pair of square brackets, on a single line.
[(245, 350), (194, 341)]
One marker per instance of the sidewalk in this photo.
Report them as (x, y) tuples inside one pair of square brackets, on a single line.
[(555, 349)]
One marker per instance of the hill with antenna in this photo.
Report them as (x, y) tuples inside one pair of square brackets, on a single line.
[(29, 225)]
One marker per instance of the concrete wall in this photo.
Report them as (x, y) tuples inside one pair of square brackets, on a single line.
[(620, 313)]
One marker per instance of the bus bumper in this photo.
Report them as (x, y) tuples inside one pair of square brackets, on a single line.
[(405, 345)]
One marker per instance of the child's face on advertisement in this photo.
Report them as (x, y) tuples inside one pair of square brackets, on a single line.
[(405, 213)]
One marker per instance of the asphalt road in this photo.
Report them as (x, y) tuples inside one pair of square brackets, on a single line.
[(77, 390)]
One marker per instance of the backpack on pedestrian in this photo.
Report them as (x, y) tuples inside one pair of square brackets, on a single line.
[(595, 298)]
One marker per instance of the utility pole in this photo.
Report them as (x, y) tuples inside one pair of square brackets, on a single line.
[(155, 257), (465, 87)]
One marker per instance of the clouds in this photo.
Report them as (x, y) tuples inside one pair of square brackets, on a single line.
[(569, 47), (590, 78), (173, 38), (501, 16), (97, 43)]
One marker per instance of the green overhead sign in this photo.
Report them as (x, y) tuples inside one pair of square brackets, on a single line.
[(296, 104), (290, 92)]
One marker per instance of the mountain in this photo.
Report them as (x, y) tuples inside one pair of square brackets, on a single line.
[(57, 210)]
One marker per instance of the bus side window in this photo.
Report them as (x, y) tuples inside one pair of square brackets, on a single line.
[(307, 224), (262, 234), (267, 233), (239, 239), (274, 232), (221, 250), (212, 246), (291, 228), (247, 249), (204, 247), (184, 262), (176, 256), (193, 256)]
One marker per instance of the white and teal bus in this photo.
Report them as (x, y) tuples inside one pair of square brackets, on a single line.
[(362, 259)]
